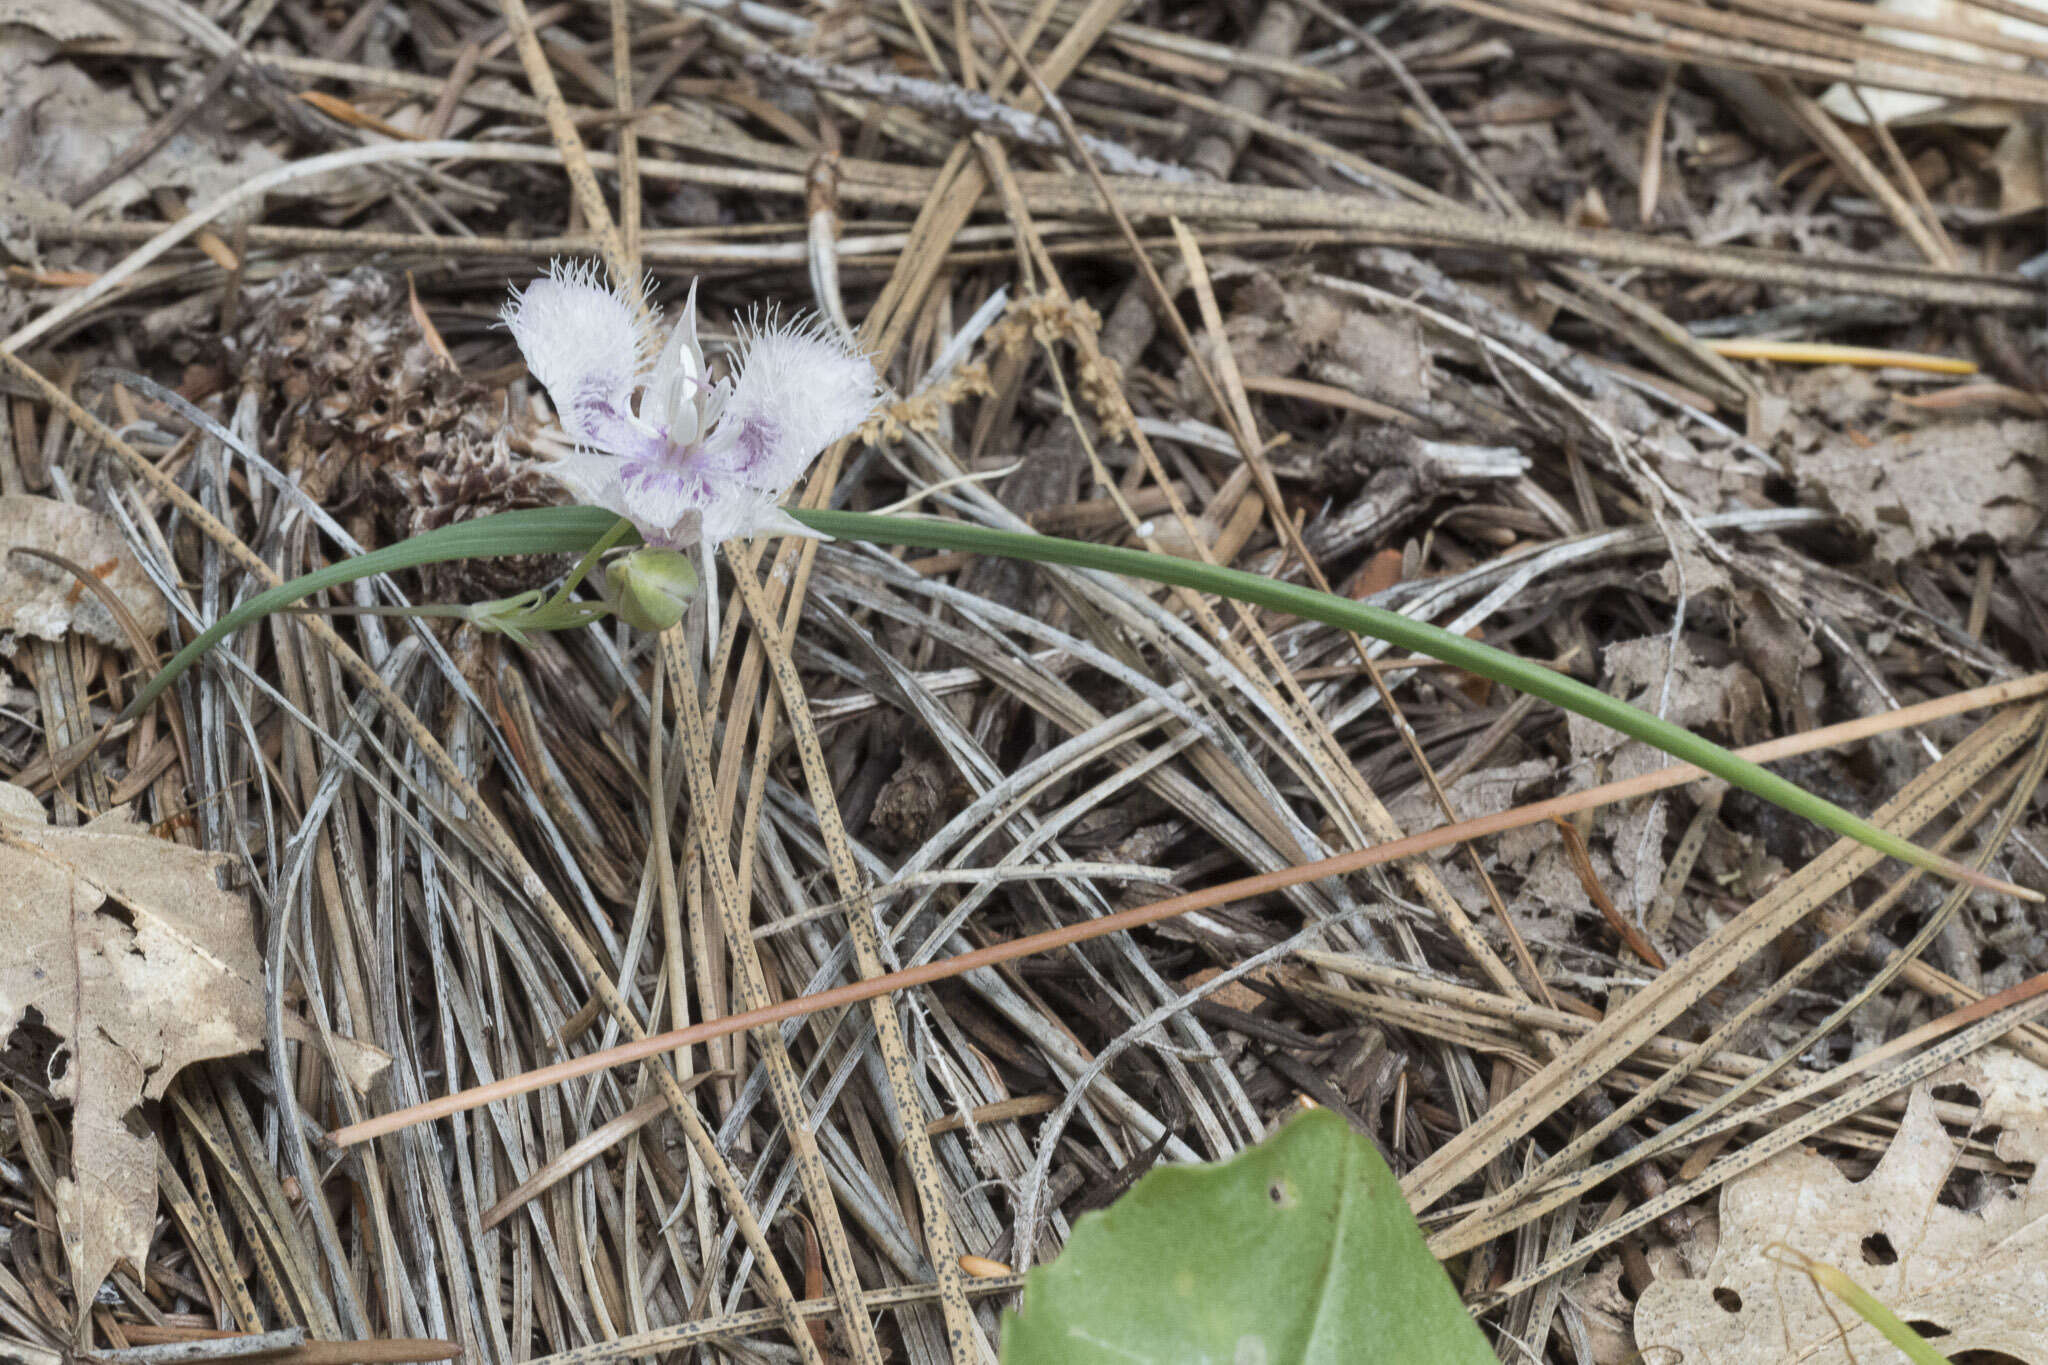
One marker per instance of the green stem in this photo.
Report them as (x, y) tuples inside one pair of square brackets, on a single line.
[(619, 531), (1868, 1306)]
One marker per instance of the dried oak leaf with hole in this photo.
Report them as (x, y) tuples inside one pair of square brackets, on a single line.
[(1977, 1278), (124, 947), (2011, 1094)]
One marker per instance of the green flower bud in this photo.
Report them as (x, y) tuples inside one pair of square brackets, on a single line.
[(650, 589)]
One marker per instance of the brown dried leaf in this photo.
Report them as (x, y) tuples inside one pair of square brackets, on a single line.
[(124, 947), (68, 21), (1979, 1277), (1726, 700), (39, 598), (1949, 482), (59, 128), (2012, 1096), (2022, 186), (1488, 791), (18, 203), (1839, 395), (1386, 355), (1275, 329), (1781, 652), (1601, 1304)]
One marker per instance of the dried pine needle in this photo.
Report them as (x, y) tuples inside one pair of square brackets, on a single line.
[(1825, 353)]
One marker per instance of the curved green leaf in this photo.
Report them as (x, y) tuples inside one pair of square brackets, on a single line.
[(1298, 1250), (552, 530), (1470, 655), (532, 531)]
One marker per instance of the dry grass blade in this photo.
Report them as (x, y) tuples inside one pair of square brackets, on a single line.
[(1158, 911), (942, 1243), (1494, 1215), (1700, 971), (751, 993), (431, 750), (583, 1151)]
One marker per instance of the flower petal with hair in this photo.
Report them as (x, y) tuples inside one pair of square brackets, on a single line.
[(693, 460)]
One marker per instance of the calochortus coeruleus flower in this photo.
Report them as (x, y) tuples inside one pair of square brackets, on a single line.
[(688, 459)]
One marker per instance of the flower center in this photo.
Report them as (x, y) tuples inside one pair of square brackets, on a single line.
[(661, 469)]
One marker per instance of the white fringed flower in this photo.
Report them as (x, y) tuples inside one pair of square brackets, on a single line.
[(695, 461)]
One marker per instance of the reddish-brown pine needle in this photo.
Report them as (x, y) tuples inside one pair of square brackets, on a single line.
[(1204, 899)]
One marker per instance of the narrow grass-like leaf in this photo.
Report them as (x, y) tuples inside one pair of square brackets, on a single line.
[(1488, 662), (534, 531), (561, 530), (1868, 1306)]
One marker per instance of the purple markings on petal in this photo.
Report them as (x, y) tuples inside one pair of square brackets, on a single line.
[(756, 440), (592, 416), (660, 485), (798, 389), (694, 458), (655, 478), (584, 342)]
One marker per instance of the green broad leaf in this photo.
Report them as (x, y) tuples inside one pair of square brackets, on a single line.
[(1298, 1250)]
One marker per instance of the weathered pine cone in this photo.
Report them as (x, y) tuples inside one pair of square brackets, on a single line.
[(375, 422)]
